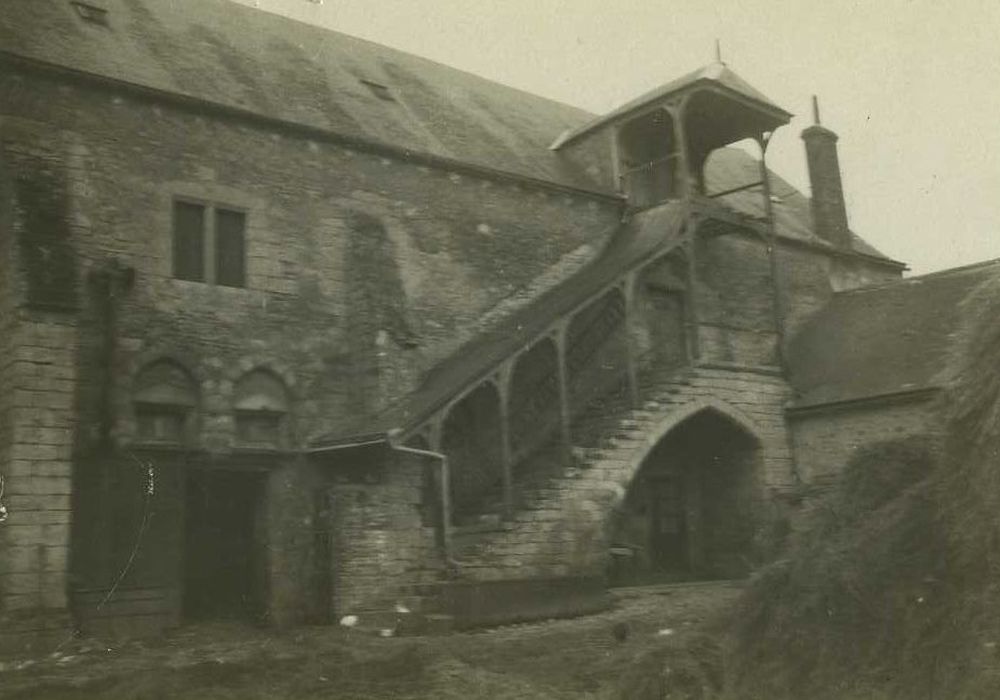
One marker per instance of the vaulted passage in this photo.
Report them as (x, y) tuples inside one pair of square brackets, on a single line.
[(472, 440), (688, 512), (534, 400)]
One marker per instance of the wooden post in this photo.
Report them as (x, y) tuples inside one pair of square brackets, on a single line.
[(444, 484), (677, 111)]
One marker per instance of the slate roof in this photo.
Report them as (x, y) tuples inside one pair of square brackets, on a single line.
[(732, 167), (884, 340), (241, 57)]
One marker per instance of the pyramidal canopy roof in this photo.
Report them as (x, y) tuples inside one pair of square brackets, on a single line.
[(716, 74)]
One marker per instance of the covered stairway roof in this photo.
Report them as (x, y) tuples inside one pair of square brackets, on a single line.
[(717, 75)]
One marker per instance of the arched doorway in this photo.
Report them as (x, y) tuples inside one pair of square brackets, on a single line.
[(688, 512)]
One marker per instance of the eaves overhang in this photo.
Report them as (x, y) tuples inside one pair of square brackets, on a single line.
[(715, 77)]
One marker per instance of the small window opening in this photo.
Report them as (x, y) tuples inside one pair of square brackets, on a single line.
[(165, 401), (91, 13), (209, 244), (379, 90), (230, 228), (261, 411)]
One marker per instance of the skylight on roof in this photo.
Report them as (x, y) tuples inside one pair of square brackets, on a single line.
[(379, 90), (91, 13)]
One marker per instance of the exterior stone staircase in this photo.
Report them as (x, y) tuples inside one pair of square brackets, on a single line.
[(606, 443), (561, 504)]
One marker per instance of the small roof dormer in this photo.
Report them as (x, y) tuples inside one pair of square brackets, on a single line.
[(663, 138)]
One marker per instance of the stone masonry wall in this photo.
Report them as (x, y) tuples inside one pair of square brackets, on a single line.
[(38, 333), (373, 307), (38, 468), (826, 440), (8, 330), (382, 546), (810, 277), (735, 301), (362, 273)]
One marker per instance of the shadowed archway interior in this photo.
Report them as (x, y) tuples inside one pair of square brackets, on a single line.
[(688, 513)]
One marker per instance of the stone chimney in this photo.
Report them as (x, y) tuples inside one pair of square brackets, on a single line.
[(829, 212)]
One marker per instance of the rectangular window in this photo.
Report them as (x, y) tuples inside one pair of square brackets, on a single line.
[(189, 241), (209, 244), (229, 247)]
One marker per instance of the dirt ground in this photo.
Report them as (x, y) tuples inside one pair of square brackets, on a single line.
[(579, 658)]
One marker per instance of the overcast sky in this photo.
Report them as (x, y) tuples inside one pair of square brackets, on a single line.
[(911, 86)]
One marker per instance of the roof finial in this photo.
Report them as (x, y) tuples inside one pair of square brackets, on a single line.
[(718, 52), (816, 110)]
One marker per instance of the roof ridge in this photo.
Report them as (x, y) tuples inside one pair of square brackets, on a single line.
[(971, 267), (953, 270), (409, 54)]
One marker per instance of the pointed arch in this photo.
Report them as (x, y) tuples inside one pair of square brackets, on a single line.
[(165, 399), (692, 408), (261, 405), (687, 507)]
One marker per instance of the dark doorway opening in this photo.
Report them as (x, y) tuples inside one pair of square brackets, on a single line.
[(688, 513), (667, 536), (223, 559)]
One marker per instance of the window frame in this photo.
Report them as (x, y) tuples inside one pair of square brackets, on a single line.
[(209, 240)]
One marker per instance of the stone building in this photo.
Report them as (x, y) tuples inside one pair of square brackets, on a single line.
[(295, 326)]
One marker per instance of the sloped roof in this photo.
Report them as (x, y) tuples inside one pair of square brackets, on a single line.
[(884, 340), (732, 167), (646, 234), (240, 57), (236, 56), (717, 74)]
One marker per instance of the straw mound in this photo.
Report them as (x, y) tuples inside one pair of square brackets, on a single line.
[(893, 589)]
